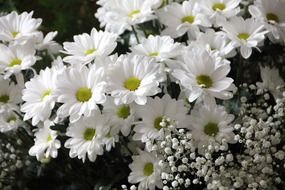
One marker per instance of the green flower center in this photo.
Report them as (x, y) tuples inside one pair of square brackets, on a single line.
[(46, 94), (133, 13), (89, 51), (219, 6), (123, 112), (204, 81), (11, 119), (157, 122), (211, 129), (89, 133), (83, 94), (15, 62), (14, 34), (4, 99), (271, 17), (132, 83), (153, 54), (243, 36), (49, 138), (148, 169), (190, 19)]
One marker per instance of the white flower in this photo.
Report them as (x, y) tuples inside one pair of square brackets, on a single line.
[(112, 136), (216, 9), (86, 48), (210, 123), (86, 136), (145, 171), (201, 75), (80, 89), (48, 43), (19, 28), (160, 48), (118, 16), (10, 95), (153, 113), (133, 78), (271, 14), (180, 19), (39, 96), (246, 34), (13, 59), (123, 115), (271, 80), (9, 121), (46, 144)]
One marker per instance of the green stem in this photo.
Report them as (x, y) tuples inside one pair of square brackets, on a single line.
[(136, 34)]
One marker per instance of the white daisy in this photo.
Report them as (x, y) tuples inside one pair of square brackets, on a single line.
[(123, 115), (47, 43), (86, 136), (145, 171), (246, 34), (133, 78), (272, 15), (210, 123), (182, 18), (200, 75), (86, 48), (153, 113), (160, 48), (13, 59), (46, 144), (39, 96), (80, 89), (9, 121), (112, 136), (19, 28)]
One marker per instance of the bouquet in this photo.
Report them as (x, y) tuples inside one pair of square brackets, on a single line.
[(168, 95)]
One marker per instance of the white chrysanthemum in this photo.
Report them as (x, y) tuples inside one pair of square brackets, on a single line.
[(160, 48), (123, 115), (153, 113), (47, 43), (118, 16), (215, 43), (200, 74), (182, 18), (86, 136), (9, 121), (246, 34), (13, 59), (133, 78), (272, 15), (271, 80), (112, 136), (210, 123), (39, 96), (10, 95), (86, 48), (145, 171), (216, 9), (19, 28), (46, 144), (80, 89)]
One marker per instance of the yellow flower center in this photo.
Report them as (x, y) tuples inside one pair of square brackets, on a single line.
[(271, 17), (15, 62), (204, 81), (190, 19), (49, 138), (89, 51), (14, 34), (133, 13), (83, 94), (123, 112), (11, 119), (148, 169), (211, 129), (132, 83), (89, 133), (4, 99), (157, 122), (219, 6), (46, 94), (153, 54), (243, 36)]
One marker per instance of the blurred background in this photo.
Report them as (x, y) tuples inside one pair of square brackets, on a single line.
[(68, 17)]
